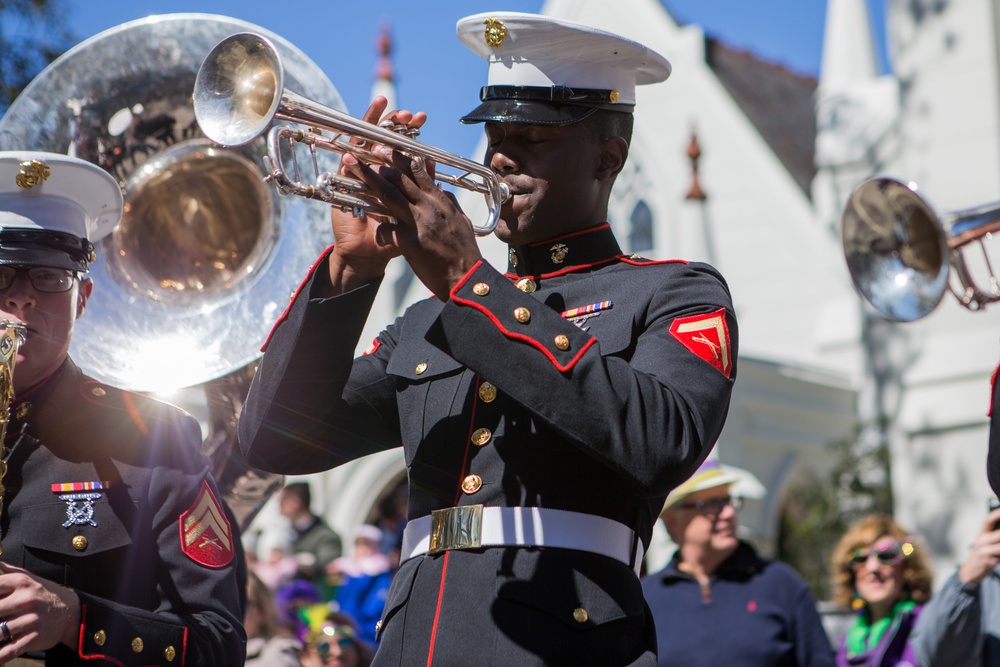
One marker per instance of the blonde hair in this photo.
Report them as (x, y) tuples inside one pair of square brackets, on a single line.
[(861, 534)]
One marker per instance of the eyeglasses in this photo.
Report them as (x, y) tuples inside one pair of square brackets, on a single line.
[(712, 505), (43, 278), (887, 554)]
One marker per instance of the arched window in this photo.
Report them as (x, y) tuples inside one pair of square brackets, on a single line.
[(641, 233)]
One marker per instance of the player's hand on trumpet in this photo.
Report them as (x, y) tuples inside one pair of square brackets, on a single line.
[(431, 231)]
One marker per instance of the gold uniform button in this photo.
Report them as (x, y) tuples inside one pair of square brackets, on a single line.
[(480, 289), (98, 391), (487, 392), (80, 543), (481, 436), (100, 638), (562, 342), (522, 315), (580, 615), (527, 285), (137, 645), (421, 367), (472, 483), (169, 653), (378, 627)]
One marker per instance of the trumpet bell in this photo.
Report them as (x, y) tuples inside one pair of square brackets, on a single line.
[(238, 90), (896, 249)]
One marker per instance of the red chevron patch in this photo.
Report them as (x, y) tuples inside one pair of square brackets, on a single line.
[(206, 536), (707, 336)]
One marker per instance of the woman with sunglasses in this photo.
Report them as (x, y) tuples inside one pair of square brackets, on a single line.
[(879, 571), (336, 644)]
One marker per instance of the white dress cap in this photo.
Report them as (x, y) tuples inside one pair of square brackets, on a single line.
[(543, 52), (54, 192)]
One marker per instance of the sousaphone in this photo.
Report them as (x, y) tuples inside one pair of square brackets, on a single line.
[(206, 256)]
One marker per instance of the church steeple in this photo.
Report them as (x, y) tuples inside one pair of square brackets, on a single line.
[(848, 44), (385, 78)]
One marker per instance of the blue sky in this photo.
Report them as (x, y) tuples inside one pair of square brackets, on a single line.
[(434, 72)]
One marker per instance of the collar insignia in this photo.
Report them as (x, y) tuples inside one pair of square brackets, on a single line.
[(559, 252)]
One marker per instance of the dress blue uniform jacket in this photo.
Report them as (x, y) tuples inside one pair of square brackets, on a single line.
[(159, 579), (582, 380)]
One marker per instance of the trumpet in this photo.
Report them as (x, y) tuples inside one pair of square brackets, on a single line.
[(239, 91), (900, 252)]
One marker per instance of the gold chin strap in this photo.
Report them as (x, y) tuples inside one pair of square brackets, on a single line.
[(10, 342)]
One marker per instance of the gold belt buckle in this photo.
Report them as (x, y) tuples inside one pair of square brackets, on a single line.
[(456, 528)]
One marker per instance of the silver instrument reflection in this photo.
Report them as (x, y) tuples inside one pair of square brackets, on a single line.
[(203, 262), (899, 250)]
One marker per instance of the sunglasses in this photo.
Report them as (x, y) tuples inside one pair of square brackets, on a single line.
[(324, 647), (887, 554), (712, 505)]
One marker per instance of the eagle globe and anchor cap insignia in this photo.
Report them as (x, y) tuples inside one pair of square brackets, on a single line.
[(495, 32), (31, 174), (206, 536)]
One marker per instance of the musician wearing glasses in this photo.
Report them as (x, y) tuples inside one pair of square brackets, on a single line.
[(881, 573), (717, 602), (545, 407), (115, 549)]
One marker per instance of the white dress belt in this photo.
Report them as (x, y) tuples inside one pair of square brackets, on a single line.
[(475, 526)]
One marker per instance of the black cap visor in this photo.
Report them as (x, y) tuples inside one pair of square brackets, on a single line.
[(541, 105), (527, 111), (22, 247)]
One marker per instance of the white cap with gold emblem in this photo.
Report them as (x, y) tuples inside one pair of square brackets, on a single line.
[(53, 208), (548, 70)]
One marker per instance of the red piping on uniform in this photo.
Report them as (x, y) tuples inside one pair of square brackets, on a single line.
[(458, 491), (437, 610), (79, 648), (295, 295), (993, 385), (526, 339), (652, 262)]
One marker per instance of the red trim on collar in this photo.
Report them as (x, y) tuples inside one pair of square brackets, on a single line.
[(560, 272), (588, 230), (295, 295)]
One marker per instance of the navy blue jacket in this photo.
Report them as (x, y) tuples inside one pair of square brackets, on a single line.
[(153, 555), (756, 613), (582, 380)]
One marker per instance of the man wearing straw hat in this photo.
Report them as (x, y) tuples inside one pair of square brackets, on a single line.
[(115, 547), (545, 408), (717, 602)]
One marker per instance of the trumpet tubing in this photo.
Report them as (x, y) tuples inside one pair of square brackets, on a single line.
[(240, 91)]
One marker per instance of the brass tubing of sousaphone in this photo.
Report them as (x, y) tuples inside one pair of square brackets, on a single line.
[(10, 342)]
